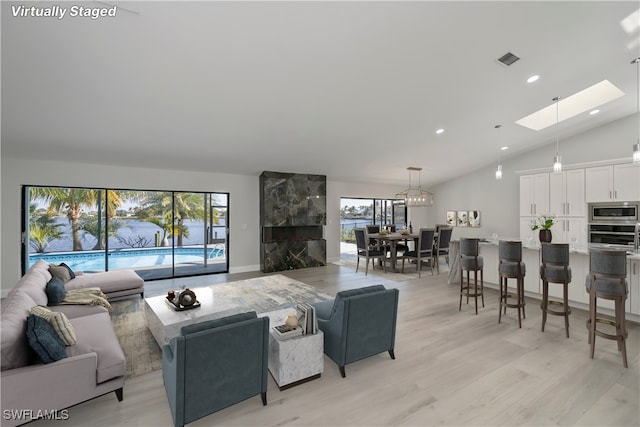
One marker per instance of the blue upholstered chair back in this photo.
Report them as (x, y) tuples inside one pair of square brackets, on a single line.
[(555, 253), (361, 241), (444, 237), (608, 263), (469, 247), (215, 364), (426, 239), (608, 271), (358, 323), (510, 251)]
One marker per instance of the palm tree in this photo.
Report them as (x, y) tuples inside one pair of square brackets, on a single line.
[(169, 211), (42, 229), (71, 201)]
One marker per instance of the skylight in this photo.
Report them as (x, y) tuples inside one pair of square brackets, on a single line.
[(585, 100)]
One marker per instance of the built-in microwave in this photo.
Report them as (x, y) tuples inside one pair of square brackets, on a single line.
[(615, 212)]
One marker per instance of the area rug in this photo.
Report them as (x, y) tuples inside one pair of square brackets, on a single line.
[(261, 294)]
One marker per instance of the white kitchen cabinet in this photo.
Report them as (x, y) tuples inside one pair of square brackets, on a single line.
[(567, 194), (611, 183), (564, 229), (534, 194)]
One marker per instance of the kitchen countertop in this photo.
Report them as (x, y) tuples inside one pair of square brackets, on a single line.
[(580, 249)]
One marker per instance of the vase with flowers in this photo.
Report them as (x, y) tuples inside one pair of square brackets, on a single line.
[(543, 223)]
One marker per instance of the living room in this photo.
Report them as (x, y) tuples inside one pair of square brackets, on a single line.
[(54, 156)]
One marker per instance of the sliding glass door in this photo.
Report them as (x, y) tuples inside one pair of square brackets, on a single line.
[(160, 234)]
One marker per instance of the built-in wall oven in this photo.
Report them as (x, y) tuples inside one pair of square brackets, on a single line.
[(613, 223)]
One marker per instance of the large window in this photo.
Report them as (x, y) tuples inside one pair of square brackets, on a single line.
[(358, 213), (160, 234)]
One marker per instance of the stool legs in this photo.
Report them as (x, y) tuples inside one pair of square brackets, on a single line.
[(466, 290), (619, 323), (503, 302), (544, 305)]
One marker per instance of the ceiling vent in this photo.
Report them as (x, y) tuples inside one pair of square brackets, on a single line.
[(508, 59)]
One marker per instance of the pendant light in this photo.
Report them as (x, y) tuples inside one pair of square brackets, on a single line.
[(557, 160), (415, 196), (499, 169), (636, 146)]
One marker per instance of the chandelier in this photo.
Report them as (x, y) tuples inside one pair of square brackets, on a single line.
[(415, 196)]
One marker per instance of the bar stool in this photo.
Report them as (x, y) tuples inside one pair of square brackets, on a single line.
[(607, 279), (471, 261), (555, 269), (510, 266)]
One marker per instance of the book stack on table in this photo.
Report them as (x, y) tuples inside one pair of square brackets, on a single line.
[(307, 318)]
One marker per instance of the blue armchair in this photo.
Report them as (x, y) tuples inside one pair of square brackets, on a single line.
[(215, 364), (358, 323)]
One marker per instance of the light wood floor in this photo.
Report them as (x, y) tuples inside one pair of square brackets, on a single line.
[(452, 368)]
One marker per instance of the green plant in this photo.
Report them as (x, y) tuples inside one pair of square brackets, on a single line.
[(543, 222)]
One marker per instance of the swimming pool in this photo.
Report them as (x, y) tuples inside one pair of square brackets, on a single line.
[(129, 258)]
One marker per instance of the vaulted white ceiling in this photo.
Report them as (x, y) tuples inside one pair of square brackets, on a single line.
[(352, 90)]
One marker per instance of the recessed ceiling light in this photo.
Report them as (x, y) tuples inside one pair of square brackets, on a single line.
[(533, 78), (585, 100), (504, 148), (594, 112), (439, 131)]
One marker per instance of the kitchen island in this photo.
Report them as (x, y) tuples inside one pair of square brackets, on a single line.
[(579, 262)]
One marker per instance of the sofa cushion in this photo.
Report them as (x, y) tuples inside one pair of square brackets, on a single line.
[(59, 321), (353, 292), (55, 291), (42, 267), (95, 335), (44, 340), (107, 281), (33, 283), (216, 323), (61, 271), (14, 346)]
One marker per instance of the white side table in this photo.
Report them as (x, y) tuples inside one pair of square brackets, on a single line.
[(294, 360)]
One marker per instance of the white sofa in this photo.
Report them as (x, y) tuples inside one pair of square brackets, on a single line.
[(94, 366)]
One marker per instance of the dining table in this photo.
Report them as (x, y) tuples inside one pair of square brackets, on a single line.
[(392, 239)]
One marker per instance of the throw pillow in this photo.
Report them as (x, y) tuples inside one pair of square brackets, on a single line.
[(72, 275), (55, 290), (59, 321), (44, 340), (60, 271)]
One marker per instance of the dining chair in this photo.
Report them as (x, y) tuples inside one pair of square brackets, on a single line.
[(424, 250), (441, 246), (368, 251)]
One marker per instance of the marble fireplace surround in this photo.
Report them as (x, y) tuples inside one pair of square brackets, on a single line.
[(262, 295)]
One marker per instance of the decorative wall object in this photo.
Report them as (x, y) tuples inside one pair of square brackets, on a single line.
[(452, 218), (463, 219), (474, 218), (292, 214)]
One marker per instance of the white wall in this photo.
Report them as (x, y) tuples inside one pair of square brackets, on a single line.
[(496, 200), (244, 220)]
